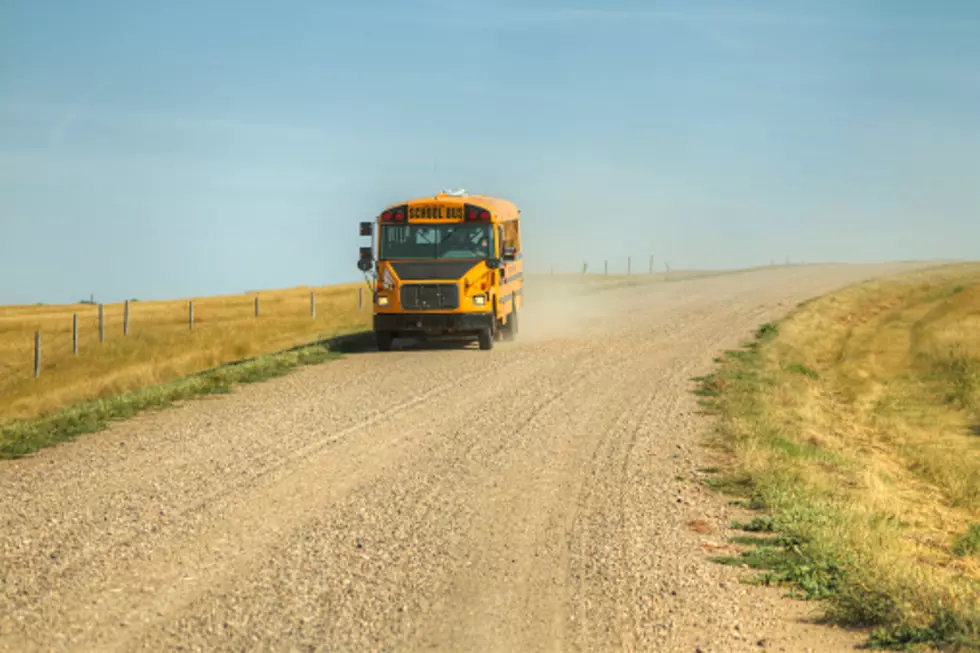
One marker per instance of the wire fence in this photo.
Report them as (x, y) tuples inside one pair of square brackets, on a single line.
[(58, 338)]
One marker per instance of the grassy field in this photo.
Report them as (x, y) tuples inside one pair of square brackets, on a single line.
[(160, 347), (854, 427)]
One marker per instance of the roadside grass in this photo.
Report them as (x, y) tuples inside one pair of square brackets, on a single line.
[(852, 426)]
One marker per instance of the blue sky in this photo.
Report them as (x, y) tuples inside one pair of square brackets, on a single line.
[(179, 149)]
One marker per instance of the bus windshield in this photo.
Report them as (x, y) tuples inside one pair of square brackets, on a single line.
[(441, 241)]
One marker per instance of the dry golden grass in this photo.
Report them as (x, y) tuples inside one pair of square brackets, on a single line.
[(860, 424), (160, 346)]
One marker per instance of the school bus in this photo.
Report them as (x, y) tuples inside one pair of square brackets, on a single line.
[(446, 265)]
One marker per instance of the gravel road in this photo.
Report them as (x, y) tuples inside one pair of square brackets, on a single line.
[(536, 497)]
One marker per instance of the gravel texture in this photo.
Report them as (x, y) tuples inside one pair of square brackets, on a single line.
[(432, 498)]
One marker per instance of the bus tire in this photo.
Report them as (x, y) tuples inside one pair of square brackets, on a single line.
[(385, 340), (498, 327), (485, 338), (512, 326)]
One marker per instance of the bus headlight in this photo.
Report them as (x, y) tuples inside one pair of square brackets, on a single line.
[(479, 300), (382, 300)]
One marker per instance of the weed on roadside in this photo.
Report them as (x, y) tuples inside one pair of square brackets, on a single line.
[(785, 560)]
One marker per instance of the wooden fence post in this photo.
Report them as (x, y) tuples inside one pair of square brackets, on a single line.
[(605, 268), (126, 318), (312, 304), (37, 354), (74, 334), (101, 323), (190, 314), (360, 300), (256, 306), (629, 265)]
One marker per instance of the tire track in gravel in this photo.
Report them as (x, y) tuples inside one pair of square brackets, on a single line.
[(451, 461), (603, 501), (522, 474), (453, 456), (242, 533)]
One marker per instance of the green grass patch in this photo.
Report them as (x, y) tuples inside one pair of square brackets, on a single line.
[(786, 561), (736, 485), (968, 544), (960, 376), (803, 370), (757, 525), (947, 632), (766, 332), (23, 437)]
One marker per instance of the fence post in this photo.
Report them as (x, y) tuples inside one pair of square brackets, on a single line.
[(651, 264), (312, 304), (256, 306), (190, 314), (126, 318), (629, 265), (360, 299), (667, 267), (101, 323), (37, 354), (605, 268), (74, 334)]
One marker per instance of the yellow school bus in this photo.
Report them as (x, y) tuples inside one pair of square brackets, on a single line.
[(445, 265)]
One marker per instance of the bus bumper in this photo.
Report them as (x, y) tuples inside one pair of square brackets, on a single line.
[(432, 323)]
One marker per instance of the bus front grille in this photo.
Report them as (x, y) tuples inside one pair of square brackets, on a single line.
[(430, 297)]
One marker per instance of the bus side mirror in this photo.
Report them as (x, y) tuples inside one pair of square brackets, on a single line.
[(367, 228), (366, 262), (510, 253)]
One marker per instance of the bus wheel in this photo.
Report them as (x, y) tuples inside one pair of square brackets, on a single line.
[(485, 338), (385, 340), (511, 328)]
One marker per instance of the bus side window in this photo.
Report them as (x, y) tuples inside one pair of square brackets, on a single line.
[(512, 236)]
